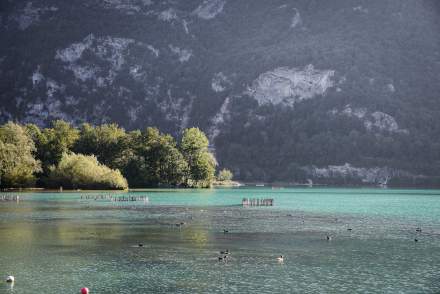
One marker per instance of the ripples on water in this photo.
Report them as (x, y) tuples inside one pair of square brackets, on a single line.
[(58, 247)]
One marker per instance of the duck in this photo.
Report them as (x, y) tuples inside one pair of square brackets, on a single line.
[(329, 238), (419, 230), (280, 258), (225, 231), (222, 258), (140, 245), (349, 229), (416, 240), (10, 279), (226, 252)]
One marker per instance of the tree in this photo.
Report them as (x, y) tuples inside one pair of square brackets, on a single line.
[(225, 175), (53, 142), (146, 159), (203, 170), (17, 163), (82, 171), (156, 160), (194, 147), (107, 142), (193, 142)]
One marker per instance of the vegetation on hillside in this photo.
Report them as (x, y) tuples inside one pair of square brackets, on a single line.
[(102, 157), (309, 134)]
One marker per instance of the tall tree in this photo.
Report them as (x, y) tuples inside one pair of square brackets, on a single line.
[(157, 161), (194, 147), (107, 142), (53, 142), (17, 163)]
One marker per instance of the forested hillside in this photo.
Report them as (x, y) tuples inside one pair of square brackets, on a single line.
[(343, 91)]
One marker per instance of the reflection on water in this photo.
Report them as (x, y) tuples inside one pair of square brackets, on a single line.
[(59, 243)]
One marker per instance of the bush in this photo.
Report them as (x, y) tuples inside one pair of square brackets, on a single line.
[(225, 175), (81, 171)]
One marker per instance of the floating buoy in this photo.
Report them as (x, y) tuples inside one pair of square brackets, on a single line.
[(84, 290), (10, 279)]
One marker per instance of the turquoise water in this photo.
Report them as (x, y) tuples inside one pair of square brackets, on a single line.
[(58, 243)]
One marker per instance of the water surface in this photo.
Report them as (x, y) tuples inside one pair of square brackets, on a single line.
[(58, 243)]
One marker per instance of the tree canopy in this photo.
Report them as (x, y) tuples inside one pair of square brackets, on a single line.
[(17, 163), (194, 147), (52, 143), (101, 156), (156, 160), (106, 141)]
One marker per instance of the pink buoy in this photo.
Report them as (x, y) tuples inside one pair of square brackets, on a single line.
[(84, 290)]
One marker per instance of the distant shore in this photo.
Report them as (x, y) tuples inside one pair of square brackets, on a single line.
[(227, 184), (217, 184)]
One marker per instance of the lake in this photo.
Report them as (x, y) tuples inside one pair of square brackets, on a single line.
[(58, 242)]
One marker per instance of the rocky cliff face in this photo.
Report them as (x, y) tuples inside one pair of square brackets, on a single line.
[(278, 85)]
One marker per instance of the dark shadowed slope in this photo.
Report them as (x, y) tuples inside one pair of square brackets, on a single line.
[(284, 88)]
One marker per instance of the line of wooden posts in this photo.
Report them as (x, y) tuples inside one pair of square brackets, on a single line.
[(11, 198), (257, 202), (114, 198), (131, 198)]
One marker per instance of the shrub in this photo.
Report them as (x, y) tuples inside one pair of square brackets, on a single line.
[(225, 175), (85, 172)]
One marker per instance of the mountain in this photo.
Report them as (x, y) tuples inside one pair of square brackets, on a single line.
[(342, 91)]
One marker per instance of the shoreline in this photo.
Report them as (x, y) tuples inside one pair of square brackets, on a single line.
[(277, 186)]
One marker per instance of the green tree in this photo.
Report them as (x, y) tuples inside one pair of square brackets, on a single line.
[(194, 147), (203, 170), (17, 163), (82, 171), (108, 142), (193, 142), (155, 161), (225, 175), (53, 142)]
